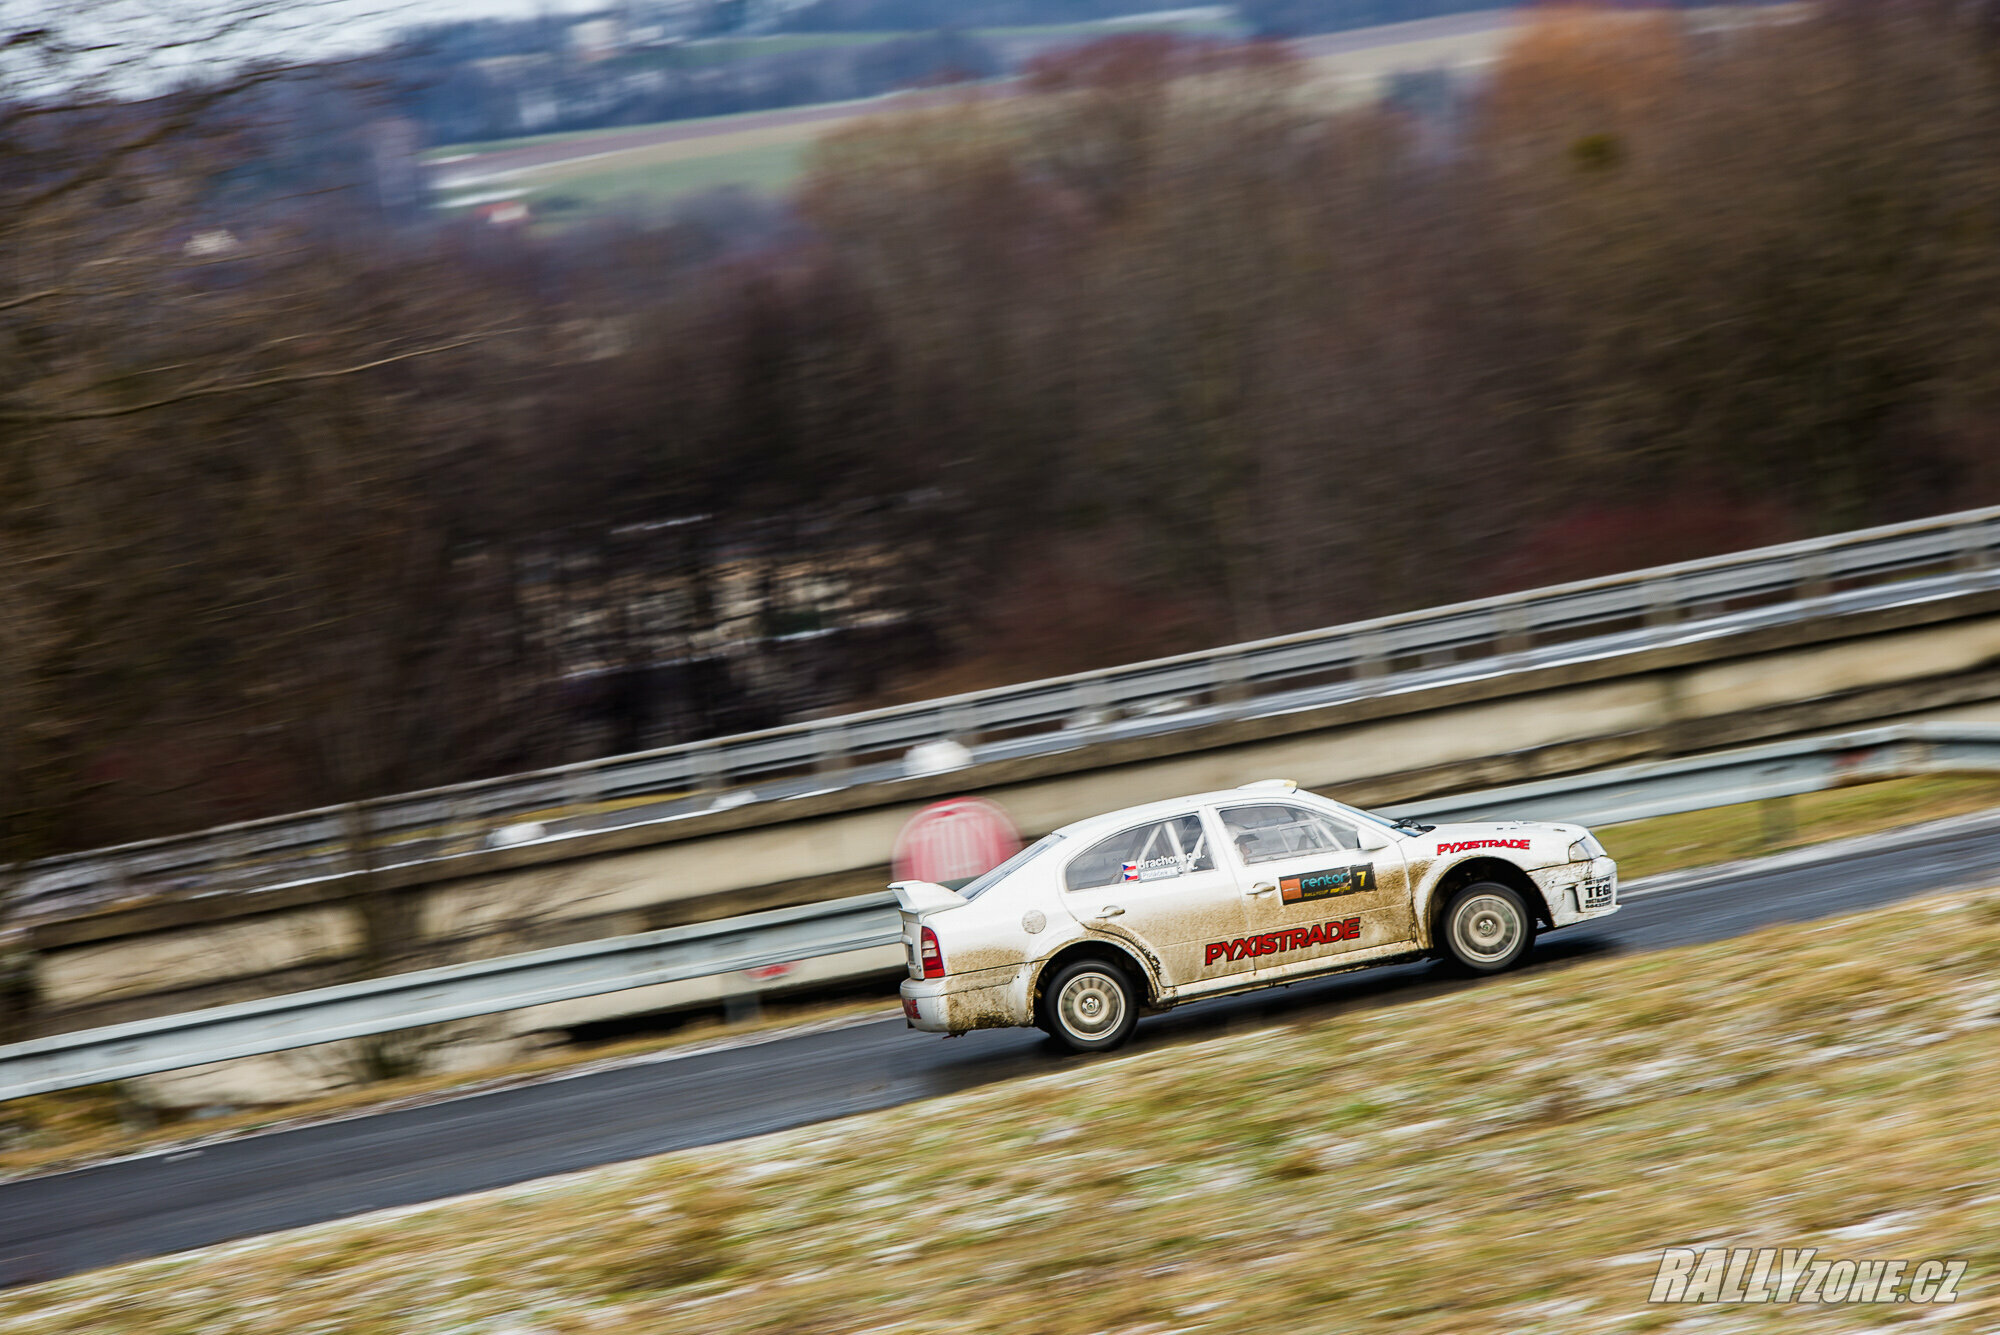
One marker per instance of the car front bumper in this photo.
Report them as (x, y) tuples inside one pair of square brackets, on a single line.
[(988, 999), (1579, 891)]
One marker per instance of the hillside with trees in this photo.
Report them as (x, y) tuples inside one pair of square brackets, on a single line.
[(303, 500)]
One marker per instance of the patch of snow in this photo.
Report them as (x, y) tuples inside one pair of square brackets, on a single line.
[(1893, 1222), (938, 757)]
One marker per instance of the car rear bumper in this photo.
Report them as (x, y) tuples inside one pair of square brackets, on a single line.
[(989, 999)]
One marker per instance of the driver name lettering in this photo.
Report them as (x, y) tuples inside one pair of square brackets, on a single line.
[(1292, 938)]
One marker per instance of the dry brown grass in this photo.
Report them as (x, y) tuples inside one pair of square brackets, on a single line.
[(1750, 829)]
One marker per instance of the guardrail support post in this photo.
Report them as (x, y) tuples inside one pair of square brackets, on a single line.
[(1972, 553), (18, 993), (1813, 581), (1370, 660), (1663, 607), (708, 770), (1089, 709), (1230, 685), (1777, 820), (741, 1002), (832, 756), (958, 727)]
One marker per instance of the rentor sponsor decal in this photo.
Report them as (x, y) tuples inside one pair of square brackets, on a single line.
[(1471, 844), (1310, 885), (1292, 938)]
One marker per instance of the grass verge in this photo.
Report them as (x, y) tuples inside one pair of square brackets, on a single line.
[(1751, 829), (764, 158), (728, 122), (766, 168), (1510, 1156)]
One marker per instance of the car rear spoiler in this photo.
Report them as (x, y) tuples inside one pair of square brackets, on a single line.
[(921, 897)]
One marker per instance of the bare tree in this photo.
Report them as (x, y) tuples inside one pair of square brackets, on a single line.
[(186, 381)]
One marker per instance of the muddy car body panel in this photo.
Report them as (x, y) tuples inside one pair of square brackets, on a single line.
[(1222, 892)]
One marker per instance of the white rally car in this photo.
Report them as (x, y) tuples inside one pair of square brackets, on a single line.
[(1154, 905)]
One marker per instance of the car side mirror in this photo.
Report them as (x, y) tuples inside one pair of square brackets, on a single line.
[(1373, 840)]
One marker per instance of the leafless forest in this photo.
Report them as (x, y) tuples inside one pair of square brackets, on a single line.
[(302, 502)]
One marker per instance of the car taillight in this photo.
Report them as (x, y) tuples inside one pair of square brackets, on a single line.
[(933, 957)]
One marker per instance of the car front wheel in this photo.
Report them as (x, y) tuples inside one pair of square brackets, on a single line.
[(1089, 1006), (1487, 927)]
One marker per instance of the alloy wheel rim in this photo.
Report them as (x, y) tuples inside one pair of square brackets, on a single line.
[(1488, 927), (1091, 1004)]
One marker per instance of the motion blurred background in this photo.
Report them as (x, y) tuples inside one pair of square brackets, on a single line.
[(388, 402)]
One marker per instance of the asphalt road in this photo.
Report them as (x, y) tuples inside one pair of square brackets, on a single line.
[(55, 1225)]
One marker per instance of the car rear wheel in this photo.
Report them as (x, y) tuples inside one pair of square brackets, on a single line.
[(1089, 1006), (1487, 927)]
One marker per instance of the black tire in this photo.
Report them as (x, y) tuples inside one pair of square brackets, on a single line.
[(1089, 1005), (1486, 927)]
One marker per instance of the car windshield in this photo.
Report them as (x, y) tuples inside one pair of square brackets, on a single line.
[(980, 885), (1374, 817)]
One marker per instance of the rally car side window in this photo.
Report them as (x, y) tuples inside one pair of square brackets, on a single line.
[(1271, 831), (1151, 852), (1192, 842)]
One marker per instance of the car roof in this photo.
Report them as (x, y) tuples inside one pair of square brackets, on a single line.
[(1174, 806)]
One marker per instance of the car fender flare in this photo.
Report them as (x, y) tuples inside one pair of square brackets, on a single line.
[(1116, 946), (1426, 903)]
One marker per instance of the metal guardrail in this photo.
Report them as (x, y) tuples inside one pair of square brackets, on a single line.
[(356, 1010), (457, 992), (1899, 563)]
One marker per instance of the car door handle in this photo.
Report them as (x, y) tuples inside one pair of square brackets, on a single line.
[(1264, 888), (1110, 911)]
